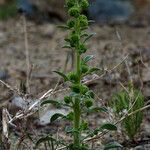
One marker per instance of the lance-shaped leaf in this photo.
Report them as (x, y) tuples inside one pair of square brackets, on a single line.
[(93, 70), (66, 46), (56, 116), (109, 126), (54, 102), (62, 75), (88, 58), (84, 34), (97, 109), (63, 26), (112, 145), (44, 139), (88, 37)]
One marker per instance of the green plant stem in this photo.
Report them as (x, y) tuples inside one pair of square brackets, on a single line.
[(77, 113), (78, 68), (77, 108)]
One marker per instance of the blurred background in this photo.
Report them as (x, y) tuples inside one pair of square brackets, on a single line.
[(102, 11), (122, 30)]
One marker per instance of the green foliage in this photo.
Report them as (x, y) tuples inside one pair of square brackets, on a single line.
[(80, 100), (47, 139), (62, 75), (8, 10), (112, 145), (56, 116), (109, 126), (124, 102)]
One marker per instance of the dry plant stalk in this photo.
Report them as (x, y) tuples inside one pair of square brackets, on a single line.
[(5, 138), (27, 54)]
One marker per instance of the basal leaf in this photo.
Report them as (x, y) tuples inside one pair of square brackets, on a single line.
[(112, 145), (44, 139)]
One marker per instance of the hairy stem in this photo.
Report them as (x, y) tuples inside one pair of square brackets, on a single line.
[(77, 113), (77, 108)]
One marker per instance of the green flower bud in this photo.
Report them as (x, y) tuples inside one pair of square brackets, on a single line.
[(84, 4), (83, 21), (71, 23), (90, 94), (83, 49), (75, 38), (67, 99), (70, 3), (72, 77), (84, 89), (88, 102), (84, 68), (84, 125), (74, 12), (75, 88)]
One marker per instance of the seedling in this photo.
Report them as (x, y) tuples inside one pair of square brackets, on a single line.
[(126, 102)]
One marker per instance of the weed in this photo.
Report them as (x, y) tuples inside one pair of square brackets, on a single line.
[(80, 99), (126, 102)]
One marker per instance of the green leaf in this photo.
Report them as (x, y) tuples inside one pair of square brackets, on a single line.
[(54, 102), (98, 109), (44, 139), (88, 37), (84, 34), (69, 129), (88, 58), (56, 116), (93, 70), (109, 126), (66, 46), (63, 27), (62, 75), (70, 116), (84, 125), (112, 145)]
